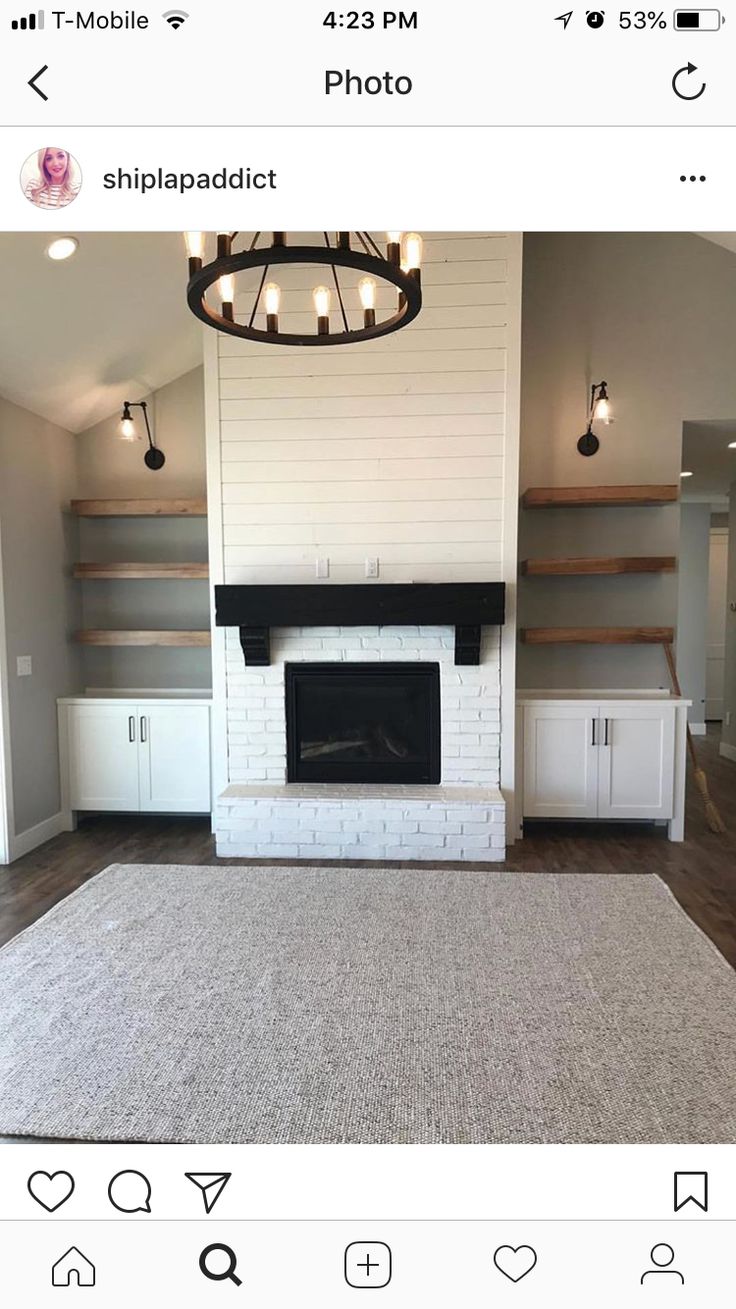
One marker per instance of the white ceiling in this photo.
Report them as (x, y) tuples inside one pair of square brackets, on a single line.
[(77, 338)]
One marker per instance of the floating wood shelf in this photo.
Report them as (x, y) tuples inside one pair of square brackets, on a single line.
[(597, 635), (605, 565), (569, 497), (196, 508), (140, 571), (168, 638)]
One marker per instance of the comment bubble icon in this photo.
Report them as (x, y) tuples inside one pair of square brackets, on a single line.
[(130, 1192)]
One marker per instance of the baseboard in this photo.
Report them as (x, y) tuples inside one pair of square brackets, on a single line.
[(727, 751), (697, 729), (29, 840)]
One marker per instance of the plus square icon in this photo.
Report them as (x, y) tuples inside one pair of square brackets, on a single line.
[(368, 1265)]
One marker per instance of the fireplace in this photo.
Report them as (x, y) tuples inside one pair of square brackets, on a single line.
[(363, 722)]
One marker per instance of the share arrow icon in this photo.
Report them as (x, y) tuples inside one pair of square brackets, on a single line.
[(565, 18), (211, 1185)]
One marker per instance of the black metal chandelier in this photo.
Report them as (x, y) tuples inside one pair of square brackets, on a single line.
[(344, 255)]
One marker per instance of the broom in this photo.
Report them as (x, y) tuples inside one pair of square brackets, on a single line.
[(712, 816)]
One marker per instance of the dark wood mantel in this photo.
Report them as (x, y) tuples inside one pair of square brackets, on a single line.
[(466, 606)]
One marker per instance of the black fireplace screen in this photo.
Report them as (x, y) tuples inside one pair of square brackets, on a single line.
[(363, 722)]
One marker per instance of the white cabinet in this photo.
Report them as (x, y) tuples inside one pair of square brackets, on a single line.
[(103, 756), (636, 762), (174, 758), (605, 758), (560, 762), (135, 755)]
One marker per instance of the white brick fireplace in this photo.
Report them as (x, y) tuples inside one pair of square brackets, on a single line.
[(261, 815), (404, 449)]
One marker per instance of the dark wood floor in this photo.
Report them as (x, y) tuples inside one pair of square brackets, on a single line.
[(701, 872)]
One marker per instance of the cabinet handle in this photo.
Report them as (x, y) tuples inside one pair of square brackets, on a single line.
[(143, 728), (593, 741), (605, 739), (131, 728)]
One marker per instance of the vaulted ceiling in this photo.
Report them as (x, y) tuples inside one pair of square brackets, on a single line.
[(79, 337)]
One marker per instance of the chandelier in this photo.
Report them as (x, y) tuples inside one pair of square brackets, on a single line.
[(350, 268)]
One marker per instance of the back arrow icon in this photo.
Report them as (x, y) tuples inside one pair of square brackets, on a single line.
[(32, 82), (689, 68)]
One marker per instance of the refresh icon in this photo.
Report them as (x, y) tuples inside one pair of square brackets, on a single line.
[(688, 70)]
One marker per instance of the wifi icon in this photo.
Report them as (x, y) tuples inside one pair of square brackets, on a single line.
[(175, 17)]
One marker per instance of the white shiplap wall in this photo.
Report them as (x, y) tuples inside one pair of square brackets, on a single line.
[(393, 448), (398, 448)]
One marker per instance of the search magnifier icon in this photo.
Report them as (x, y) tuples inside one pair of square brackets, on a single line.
[(213, 1267)]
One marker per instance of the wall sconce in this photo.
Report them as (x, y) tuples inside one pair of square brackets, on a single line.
[(600, 411), (153, 458)]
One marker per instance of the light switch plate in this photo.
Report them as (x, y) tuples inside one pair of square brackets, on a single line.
[(323, 567), (24, 665)]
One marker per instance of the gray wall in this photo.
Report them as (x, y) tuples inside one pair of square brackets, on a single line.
[(728, 735), (692, 605), (655, 315), (108, 467), (37, 478)]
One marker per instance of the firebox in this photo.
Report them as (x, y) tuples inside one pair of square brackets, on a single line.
[(370, 722)]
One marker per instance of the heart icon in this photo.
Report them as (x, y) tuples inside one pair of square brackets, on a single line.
[(515, 1261), (51, 1190)]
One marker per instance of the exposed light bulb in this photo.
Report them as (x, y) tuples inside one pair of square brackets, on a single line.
[(272, 297), (413, 249), (127, 430), (394, 237), (195, 244), (226, 287), (367, 292), (321, 297), (602, 412), (685, 474), (732, 445)]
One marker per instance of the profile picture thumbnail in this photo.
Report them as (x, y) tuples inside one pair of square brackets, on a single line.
[(51, 178)]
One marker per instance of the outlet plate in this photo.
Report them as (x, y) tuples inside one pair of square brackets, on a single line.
[(24, 665), (322, 567), (372, 567)]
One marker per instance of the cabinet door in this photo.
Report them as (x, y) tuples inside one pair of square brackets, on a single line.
[(636, 775), (560, 761), (103, 757), (174, 758)]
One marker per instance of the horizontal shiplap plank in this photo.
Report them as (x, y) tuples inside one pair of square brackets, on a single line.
[(366, 534), (410, 339), (422, 448), (490, 570), (418, 552), (366, 491), (328, 429), (344, 360), (370, 513), (359, 470), (285, 395), (240, 415), (298, 316)]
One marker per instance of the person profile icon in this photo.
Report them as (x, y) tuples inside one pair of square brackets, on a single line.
[(662, 1255)]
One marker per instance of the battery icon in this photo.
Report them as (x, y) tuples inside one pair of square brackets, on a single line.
[(698, 20)]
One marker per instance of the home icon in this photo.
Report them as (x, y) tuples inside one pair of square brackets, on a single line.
[(73, 1267)]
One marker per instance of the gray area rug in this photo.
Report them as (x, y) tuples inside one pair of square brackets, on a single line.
[(326, 1005)]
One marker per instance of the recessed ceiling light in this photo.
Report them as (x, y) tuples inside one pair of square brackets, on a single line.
[(685, 474), (62, 248)]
